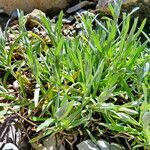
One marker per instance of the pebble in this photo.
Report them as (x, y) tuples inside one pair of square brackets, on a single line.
[(68, 20), (12, 36), (16, 85), (8, 146), (35, 30), (78, 26), (65, 31), (80, 5), (15, 27), (43, 33)]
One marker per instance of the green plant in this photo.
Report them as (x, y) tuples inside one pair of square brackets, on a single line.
[(105, 71)]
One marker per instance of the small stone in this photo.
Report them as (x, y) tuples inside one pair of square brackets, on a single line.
[(53, 20), (43, 33), (7, 47), (11, 90), (15, 85), (34, 18), (80, 33), (68, 20), (73, 32), (11, 37), (66, 32), (8, 146), (35, 30), (36, 15), (78, 26), (87, 145), (16, 32), (82, 4), (71, 28)]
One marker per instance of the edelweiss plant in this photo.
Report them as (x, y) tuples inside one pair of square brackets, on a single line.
[(98, 81)]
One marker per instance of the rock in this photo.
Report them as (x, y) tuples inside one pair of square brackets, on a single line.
[(100, 145), (35, 30), (8, 146), (80, 6), (35, 15), (11, 134), (52, 143), (29, 5), (103, 3), (68, 20), (128, 6), (87, 145), (34, 18)]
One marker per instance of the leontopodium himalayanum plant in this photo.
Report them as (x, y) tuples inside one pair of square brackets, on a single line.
[(100, 78)]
